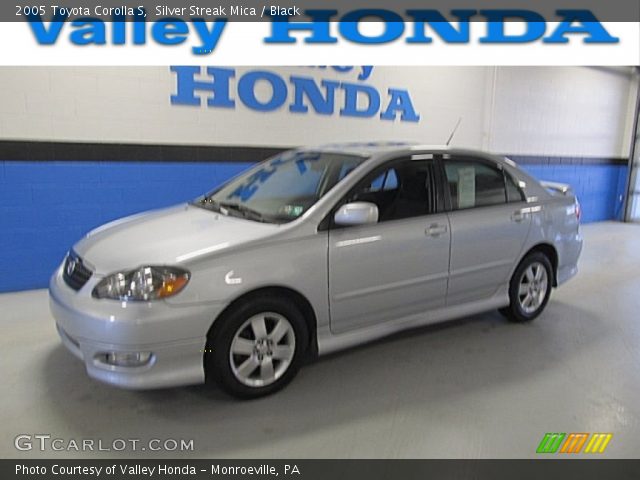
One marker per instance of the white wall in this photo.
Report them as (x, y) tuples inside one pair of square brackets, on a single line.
[(520, 110), (562, 111)]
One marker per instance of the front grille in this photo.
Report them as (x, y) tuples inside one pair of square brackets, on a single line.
[(75, 273)]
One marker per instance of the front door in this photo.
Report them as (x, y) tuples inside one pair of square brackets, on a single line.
[(399, 266)]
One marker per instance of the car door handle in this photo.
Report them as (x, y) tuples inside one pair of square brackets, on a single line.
[(436, 230)]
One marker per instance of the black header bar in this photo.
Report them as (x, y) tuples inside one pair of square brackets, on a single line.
[(297, 10)]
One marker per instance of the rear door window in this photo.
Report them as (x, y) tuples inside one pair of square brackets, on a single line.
[(473, 184)]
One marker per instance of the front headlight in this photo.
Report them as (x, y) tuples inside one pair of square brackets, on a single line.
[(142, 284)]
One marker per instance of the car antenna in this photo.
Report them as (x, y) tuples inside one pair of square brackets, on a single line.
[(455, 129)]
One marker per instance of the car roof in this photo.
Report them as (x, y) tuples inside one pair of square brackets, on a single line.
[(365, 149), (369, 149)]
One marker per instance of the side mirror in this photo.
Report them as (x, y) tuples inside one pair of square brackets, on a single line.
[(356, 213)]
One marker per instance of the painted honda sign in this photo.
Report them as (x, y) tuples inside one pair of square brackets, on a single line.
[(218, 87)]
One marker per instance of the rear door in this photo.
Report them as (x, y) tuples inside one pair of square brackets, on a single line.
[(399, 266), (489, 226)]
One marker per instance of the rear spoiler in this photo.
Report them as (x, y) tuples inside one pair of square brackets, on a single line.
[(555, 187)]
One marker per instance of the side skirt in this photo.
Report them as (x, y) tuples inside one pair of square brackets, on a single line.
[(329, 343)]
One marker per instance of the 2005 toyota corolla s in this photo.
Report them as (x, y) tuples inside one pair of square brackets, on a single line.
[(307, 253)]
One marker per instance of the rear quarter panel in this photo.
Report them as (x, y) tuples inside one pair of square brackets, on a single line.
[(556, 223), (553, 222)]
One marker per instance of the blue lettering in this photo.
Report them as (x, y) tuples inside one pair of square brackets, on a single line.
[(175, 31), (246, 91), (535, 26), (400, 102), (352, 92), (43, 35), (246, 191), (308, 94), (366, 72), (170, 31), (319, 28), (187, 86), (89, 31), (590, 26), (393, 26), (308, 87), (139, 27), (440, 25), (209, 38), (119, 29)]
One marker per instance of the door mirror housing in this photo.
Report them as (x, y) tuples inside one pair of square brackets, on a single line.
[(356, 213)]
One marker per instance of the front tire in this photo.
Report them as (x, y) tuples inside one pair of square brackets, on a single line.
[(257, 347), (530, 288)]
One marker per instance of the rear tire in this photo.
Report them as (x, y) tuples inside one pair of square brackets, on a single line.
[(256, 347), (529, 288)]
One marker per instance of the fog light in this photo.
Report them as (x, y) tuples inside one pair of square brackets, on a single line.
[(126, 359)]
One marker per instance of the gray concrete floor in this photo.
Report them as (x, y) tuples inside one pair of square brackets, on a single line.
[(475, 388)]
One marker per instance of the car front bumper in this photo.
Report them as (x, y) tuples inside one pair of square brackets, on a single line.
[(91, 328)]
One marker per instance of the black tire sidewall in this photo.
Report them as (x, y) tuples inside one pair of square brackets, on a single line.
[(515, 312), (216, 361)]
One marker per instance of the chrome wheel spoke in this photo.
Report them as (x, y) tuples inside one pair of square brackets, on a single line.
[(242, 346), (248, 367), (259, 327), (266, 369), (524, 289), (530, 275), (533, 304), (282, 352), (280, 330), (543, 285), (539, 272)]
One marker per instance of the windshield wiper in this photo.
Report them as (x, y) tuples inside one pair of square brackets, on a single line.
[(229, 207), (245, 211)]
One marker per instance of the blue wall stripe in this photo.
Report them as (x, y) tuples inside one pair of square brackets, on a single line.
[(599, 188), (45, 207)]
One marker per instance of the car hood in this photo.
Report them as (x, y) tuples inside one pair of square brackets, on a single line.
[(170, 236)]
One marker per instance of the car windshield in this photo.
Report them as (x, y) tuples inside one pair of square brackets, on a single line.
[(282, 188)]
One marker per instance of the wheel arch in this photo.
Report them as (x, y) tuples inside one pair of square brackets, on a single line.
[(291, 294), (551, 253)]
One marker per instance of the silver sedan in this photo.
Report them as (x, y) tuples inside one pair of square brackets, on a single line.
[(309, 252)]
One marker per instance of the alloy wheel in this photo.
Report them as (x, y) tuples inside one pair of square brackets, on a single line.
[(533, 287), (262, 349)]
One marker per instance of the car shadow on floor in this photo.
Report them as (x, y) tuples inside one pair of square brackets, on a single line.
[(433, 366)]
